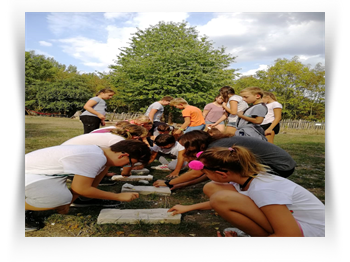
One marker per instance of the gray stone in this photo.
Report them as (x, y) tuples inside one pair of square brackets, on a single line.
[(132, 178), (134, 216), (146, 190)]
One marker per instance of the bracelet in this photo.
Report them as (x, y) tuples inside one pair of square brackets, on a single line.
[(181, 129), (167, 183)]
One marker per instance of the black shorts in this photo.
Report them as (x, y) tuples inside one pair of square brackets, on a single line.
[(90, 123), (276, 128)]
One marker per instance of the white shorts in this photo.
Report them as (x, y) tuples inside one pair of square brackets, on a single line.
[(48, 193)]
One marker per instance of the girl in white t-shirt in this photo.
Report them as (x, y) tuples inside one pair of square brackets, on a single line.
[(254, 201), (271, 123), (232, 104)]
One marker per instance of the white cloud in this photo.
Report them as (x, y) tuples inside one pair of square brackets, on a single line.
[(39, 52), (144, 20), (253, 71), (112, 16), (44, 43)]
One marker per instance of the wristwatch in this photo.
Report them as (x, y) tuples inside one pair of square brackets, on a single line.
[(167, 183)]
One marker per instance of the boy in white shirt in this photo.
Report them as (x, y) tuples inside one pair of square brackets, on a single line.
[(47, 169), (167, 145)]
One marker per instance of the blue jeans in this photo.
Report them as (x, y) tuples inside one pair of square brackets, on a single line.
[(191, 128)]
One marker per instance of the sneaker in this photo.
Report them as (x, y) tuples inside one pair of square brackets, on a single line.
[(161, 167), (95, 202)]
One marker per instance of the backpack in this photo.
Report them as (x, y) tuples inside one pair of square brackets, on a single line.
[(252, 130)]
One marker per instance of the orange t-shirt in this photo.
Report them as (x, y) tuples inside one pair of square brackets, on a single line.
[(195, 115)]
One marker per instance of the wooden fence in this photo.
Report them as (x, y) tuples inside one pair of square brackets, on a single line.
[(302, 124)]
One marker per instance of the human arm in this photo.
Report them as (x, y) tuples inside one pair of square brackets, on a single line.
[(179, 164), (190, 175), (222, 118), (152, 113), (89, 107), (179, 209), (233, 107), (205, 112), (278, 116), (82, 186), (255, 120), (281, 220), (183, 127)]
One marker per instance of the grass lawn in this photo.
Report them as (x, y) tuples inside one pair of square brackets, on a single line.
[(307, 148)]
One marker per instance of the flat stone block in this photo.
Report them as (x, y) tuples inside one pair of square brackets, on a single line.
[(143, 171), (134, 216), (132, 178), (146, 190)]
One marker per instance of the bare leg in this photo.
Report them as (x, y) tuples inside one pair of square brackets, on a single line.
[(221, 128), (241, 212), (271, 137)]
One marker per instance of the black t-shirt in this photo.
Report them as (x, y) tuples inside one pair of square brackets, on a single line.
[(267, 153)]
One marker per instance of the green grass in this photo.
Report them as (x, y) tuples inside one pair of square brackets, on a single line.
[(307, 149)]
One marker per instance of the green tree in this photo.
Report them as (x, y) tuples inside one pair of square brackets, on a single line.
[(297, 87), (170, 59)]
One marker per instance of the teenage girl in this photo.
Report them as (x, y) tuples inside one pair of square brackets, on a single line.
[(271, 123), (212, 112), (254, 201), (232, 104), (94, 116)]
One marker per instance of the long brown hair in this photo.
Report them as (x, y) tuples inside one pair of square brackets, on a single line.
[(225, 91), (129, 131)]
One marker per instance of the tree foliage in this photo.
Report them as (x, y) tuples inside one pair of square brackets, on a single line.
[(299, 88), (170, 59)]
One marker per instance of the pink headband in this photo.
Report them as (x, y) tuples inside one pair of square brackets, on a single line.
[(196, 165), (199, 153)]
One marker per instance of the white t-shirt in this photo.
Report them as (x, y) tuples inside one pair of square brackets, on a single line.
[(270, 116), (99, 139), (103, 129), (84, 160), (158, 114), (241, 106), (307, 209), (171, 151)]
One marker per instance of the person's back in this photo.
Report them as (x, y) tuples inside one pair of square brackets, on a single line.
[(195, 114), (269, 154), (99, 139)]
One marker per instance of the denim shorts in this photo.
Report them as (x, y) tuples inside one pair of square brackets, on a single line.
[(210, 123), (232, 124), (191, 128)]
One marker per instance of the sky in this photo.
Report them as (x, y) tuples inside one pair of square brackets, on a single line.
[(91, 40)]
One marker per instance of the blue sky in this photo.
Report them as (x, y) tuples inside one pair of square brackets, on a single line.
[(90, 40)]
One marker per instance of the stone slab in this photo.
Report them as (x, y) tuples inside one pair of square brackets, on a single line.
[(146, 190), (132, 178), (134, 216), (140, 172)]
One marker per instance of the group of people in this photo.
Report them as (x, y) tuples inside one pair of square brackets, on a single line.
[(229, 144)]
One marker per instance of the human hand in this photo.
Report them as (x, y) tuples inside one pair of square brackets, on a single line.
[(178, 209), (240, 113), (268, 132), (127, 197), (177, 132), (126, 175), (173, 175), (138, 167), (211, 125), (159, 183), (102, 117)]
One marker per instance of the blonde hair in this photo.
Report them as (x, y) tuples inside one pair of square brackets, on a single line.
[(142, 120), (129, 131), (270, 94), (167, 98), (178, 101), (254, 90), (121, 124), (237, 159)]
